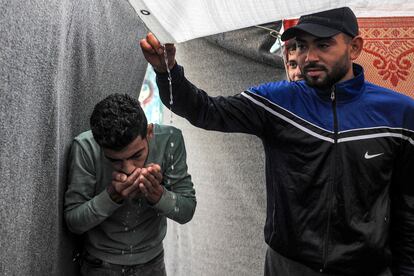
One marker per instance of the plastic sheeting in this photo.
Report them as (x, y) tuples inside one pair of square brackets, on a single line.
[(174, 21)]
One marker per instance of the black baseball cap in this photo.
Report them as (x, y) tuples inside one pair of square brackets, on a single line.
[(325, 24)]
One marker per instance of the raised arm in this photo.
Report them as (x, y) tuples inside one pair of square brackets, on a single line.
[(239, 113)]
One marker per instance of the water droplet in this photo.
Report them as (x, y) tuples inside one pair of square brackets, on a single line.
[(126, 228), (123, 270), (169, 83), (176, 209), (172, 144), (172, 167), (122, 252)]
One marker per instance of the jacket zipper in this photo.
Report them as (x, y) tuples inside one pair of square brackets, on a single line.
[(331, 188)]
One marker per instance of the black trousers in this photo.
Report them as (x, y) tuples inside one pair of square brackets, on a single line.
[(92, 266), (278, 265)]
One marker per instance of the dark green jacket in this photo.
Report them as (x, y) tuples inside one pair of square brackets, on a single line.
[(131, 232)]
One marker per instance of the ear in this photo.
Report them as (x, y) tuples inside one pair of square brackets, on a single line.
[(150, 131), (356, 46)]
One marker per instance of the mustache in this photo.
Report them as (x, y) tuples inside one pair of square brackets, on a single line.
[(314, 66)]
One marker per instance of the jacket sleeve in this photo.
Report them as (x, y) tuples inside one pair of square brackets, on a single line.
[(402, 208), (178, 201), (227, 114), (83, 209)]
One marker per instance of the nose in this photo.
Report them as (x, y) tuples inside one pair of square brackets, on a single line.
[(297, 74), (127, 167), (311, 55)]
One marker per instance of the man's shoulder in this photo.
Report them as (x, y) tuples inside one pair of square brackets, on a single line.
[(397, 107), (165, 134), (165, 137), (86, 141), (388, 95), (167, 131), (279, 92), (271, 87), (85, 137)]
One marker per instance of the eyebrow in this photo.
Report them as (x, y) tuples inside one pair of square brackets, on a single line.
[(319, 39), (138, 152)]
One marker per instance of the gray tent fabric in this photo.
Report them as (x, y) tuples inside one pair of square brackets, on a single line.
[(254, 43), (225, 236), (58, 58)]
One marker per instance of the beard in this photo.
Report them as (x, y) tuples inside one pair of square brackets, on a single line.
[(338, 71)]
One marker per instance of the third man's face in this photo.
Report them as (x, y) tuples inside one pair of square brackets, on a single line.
[(293, 69), (324, 61)]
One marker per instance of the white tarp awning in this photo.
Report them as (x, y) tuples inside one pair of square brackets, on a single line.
[(174, 21)]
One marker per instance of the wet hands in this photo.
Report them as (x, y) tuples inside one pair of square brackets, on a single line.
[(154, 53), (141, 182)]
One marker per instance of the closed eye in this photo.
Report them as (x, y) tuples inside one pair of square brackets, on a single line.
[(136, 156), (113, 160)]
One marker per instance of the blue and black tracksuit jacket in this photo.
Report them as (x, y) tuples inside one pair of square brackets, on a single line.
[(339, 166)]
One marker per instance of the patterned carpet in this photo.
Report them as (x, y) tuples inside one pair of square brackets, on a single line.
[(388, 54)]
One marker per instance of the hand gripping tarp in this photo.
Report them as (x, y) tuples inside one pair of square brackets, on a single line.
[(174, 21)]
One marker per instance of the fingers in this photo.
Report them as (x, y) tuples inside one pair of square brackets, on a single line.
[(131, 189), (147, 182), (155, 172), (153, 52), (145, 186), (131, 184), (151, 178), (150, 44), (119, 176), (147, 47), (142, 180), (125, 185), (170, 48), (149, 185), (155, 44)]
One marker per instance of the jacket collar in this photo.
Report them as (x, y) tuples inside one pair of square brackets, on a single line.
[(346, 90)]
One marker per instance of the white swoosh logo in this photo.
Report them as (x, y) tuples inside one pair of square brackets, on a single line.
[(368, 156)]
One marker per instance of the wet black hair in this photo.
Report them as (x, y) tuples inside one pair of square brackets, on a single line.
[(117, 120)]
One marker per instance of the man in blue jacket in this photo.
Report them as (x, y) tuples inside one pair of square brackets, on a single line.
[(339, 153)]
